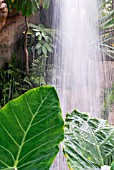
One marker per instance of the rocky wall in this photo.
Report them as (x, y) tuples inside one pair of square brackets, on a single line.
[(11, 36)]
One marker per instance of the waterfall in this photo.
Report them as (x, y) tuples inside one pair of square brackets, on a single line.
[(77, 72), (78, 63)]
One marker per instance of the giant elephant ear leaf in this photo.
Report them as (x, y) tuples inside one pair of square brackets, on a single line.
[(31, 128), (88, 143)]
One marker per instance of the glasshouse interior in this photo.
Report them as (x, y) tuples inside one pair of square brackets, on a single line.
[(57, 84)]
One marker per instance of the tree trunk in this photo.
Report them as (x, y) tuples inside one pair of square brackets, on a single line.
[(25, 48)]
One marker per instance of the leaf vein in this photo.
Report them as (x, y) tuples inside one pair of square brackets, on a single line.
[(41, 133), (36, 159), (43, 119), (39, 147), (17, 119), (8, 152), (9, 135)]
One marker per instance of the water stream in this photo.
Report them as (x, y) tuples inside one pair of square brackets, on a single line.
[(78, 63), (77, 73)]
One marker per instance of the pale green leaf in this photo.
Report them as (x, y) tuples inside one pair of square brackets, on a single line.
[(89, 142)]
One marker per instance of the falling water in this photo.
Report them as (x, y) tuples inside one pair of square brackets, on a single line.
[(77, 71), (77, 64)]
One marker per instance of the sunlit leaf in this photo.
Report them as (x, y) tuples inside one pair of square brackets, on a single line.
[(31, 127)]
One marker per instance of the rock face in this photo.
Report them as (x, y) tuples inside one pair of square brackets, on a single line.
[(3, 14), (111, 117), (11, 34)]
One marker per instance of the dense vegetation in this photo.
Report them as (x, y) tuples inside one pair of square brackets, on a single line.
[(31, 127), (25, 143), (15, 77), (106, 23)]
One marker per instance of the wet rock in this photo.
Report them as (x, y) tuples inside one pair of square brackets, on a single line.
[(12, 34), (3, 14), (9, 37)]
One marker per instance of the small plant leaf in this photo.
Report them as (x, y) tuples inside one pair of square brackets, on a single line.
[(48, 47), (44, 50), (38, 45)]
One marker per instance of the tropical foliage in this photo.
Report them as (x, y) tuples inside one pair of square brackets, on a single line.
[(106, 23), (28, 7), (40, 46), (42, 37), (112, 166), (31, 127), (12, 81), (108, 101), (89, 142)]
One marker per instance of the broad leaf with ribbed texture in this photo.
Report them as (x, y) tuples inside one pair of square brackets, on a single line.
[(89, 142), (31, 128)]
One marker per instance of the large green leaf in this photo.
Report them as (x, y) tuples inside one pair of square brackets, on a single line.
[(89, 142), (28, 7), (112, 166), (31, 127)]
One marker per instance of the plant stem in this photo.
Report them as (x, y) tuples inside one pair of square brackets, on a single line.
[(25, 48), (101, 160)]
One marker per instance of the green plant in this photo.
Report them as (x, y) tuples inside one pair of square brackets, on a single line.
[(37, 73), (31, 127), (12, 84), (108, 101), (43, 38), (89, 142), (14, 81), (27, 7), (106, 24), (39, 46), (112, 166)]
